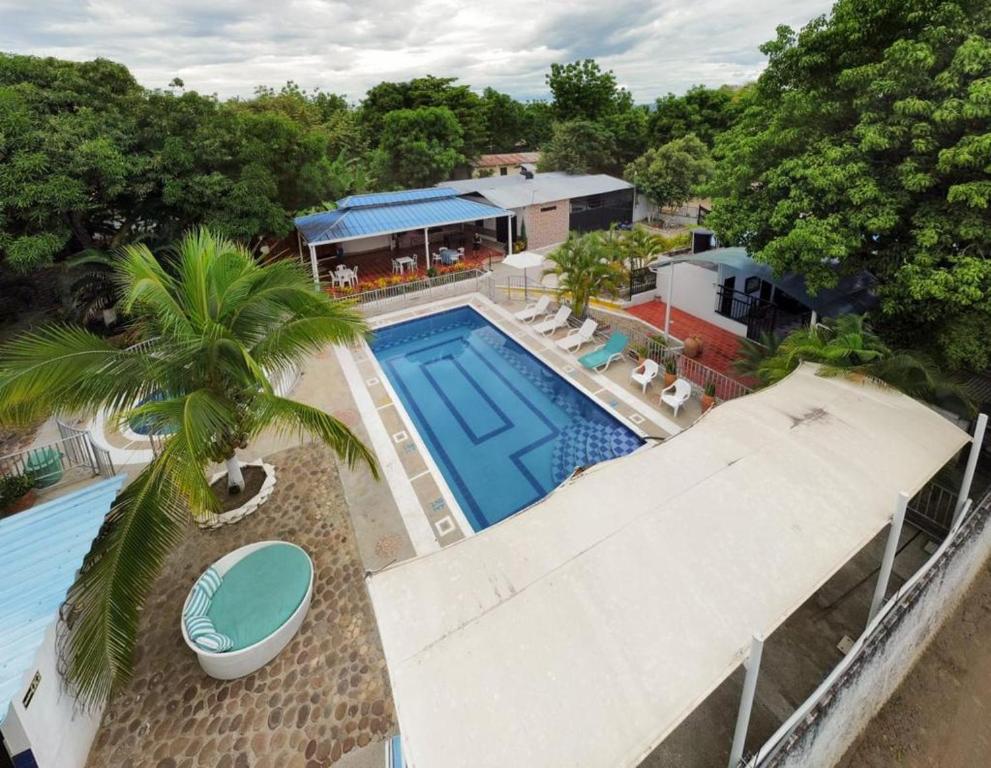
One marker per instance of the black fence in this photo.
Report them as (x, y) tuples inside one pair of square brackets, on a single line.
[(642, 280), (760, 316)]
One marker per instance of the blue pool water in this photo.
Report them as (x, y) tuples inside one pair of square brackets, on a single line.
[(504, 429)]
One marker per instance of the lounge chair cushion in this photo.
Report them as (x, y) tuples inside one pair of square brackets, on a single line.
[(198, 626), (259, 593), (215, 642), (202, 592)]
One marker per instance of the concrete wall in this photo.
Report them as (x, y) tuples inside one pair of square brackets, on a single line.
[(366, 244), (695, 293), (831, 726), (57, 732), (546, 223)]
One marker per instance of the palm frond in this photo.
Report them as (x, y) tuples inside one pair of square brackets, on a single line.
[(61, 370), (144, 525), (291, 417)]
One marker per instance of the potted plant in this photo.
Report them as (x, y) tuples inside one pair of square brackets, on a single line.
[(693, 346), (670, 371), (708, 395), (16, 494)]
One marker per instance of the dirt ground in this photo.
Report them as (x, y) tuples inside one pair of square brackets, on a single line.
[(940, 716)]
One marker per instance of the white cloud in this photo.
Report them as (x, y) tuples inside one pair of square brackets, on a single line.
[(346, 46)]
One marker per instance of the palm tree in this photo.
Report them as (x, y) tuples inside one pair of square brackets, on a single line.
[(848, 346), (751, 354), (587, 266), (220, 325), (639, 245)]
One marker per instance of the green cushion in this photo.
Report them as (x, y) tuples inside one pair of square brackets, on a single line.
[(260, 593)]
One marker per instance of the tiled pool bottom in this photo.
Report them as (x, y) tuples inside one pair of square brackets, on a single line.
[(502, 427)]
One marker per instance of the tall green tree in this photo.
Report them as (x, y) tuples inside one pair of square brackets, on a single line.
[(579, 146), (704, 112), (866, 145), (222, 326), (586, 266), (583, 91), (420, 147), (429, 91), (71, 172), (503, 118), (673, 173)]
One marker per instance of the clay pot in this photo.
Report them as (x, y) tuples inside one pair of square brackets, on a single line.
[(707, 402), (693, 346), (670, 378), (25, 502)]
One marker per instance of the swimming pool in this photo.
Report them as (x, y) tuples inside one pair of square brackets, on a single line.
[(503, 428)]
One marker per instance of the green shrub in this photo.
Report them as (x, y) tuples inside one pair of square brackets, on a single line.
[(13, 488)]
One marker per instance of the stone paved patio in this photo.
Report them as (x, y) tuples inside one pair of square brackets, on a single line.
[(326, 695)]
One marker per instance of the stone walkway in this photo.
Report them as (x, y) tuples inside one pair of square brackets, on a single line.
[(324, 696)]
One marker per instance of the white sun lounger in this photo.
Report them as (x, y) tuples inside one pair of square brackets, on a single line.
[(558, 321), (540, 308), (578, 337)]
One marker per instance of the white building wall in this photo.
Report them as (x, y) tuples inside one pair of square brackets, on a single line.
[(695, 293), (58, 733)]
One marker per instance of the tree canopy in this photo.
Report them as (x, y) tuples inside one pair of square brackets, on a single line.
[(866, 143), (672, 173), (420, 147)]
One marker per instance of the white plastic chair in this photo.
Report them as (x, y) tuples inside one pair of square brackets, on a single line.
[(676, 395), (559, 320), (578, 337), (397, 268), (540, 308), (645, 373)]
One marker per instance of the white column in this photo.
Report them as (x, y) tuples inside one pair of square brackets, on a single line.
[(975, 451), (667, 303), (509, 235), (888, 560), (314, 267), (813, 320), (426, 249), (747, 696)]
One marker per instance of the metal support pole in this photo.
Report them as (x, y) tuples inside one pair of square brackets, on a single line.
[(888, 560), (509, 235), (667, 308), (813, 320), (426, 250), (752, 665), (975, 451), (313, 266)]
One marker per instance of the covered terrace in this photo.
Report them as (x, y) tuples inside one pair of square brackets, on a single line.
[(400, 235), (584, 630)]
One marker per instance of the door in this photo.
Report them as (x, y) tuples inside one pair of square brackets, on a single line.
[(729, 290)]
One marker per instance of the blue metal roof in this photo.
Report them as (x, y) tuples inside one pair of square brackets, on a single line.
[(367, 220), (41, 550), (402, 196)]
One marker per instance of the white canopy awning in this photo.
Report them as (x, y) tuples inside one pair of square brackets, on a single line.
[(584, 630)]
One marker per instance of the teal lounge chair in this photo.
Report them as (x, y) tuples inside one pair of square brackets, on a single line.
[(600, 358)]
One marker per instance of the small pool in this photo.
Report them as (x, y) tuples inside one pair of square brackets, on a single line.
[(141, 425), (503, 428)]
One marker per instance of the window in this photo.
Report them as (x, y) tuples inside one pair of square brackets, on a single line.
[(503, 171), (547, 208), (577, 206), (752, 285), (595, 202)]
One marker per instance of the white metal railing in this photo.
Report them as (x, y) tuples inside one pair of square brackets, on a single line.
[(49, 465), (450, 284)]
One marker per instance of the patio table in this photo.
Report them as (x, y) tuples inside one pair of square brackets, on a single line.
[(448, 255), (406, 261)]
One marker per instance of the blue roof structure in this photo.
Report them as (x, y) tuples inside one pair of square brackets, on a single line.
[(42, 550), (387, 212), (402, 196)]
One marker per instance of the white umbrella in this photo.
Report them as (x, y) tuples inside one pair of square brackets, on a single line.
[(524, 260)]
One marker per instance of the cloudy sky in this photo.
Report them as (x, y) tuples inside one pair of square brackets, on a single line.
[(345, 46)]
